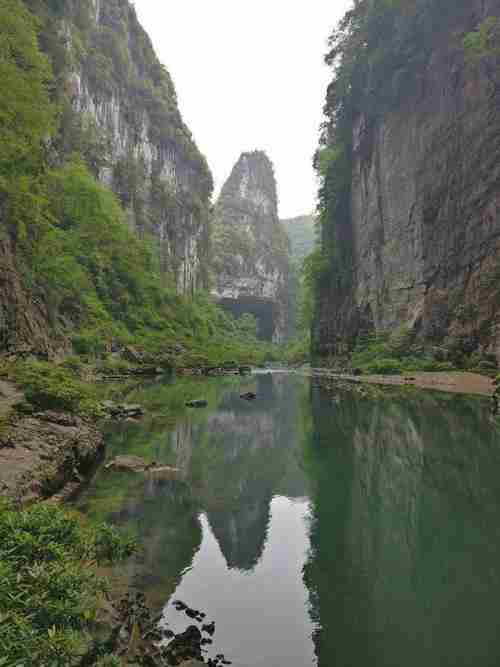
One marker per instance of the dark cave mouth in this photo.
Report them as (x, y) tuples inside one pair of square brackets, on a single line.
[(264, 311)]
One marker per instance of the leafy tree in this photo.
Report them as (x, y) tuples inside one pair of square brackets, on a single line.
[(26, 113)]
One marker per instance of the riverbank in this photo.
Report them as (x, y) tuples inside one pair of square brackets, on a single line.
[(455, 382), (43, 452), (50, 451)]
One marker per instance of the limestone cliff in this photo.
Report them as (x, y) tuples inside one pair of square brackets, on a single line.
[(250, 246), (421, 240), (120, 112)]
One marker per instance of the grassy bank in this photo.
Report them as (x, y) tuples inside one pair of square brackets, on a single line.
[(49, 588), (398, 352)]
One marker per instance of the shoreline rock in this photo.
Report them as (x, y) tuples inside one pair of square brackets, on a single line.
[(138, 465), (43, 454)]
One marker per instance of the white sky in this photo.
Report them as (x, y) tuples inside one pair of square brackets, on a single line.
[(250, 75)]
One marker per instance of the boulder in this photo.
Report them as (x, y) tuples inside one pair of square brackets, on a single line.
[(128, 463)]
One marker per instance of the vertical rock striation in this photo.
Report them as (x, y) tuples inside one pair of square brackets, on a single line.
[(425, 201), (250, 246), (121, 114)]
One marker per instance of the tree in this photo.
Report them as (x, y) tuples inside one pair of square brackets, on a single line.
[(26, 113)]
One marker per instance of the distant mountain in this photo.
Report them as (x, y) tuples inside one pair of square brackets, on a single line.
[(301, 233)]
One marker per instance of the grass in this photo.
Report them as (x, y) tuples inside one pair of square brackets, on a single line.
[(49, 386), (49, 588)]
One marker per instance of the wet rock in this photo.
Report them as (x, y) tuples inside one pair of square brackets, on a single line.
[(197, 403), (138, 465), (249, 396), (148, 370), (209, 628), (122, 410), (179, 605), (185, 646), (40, 454), (132, 354)]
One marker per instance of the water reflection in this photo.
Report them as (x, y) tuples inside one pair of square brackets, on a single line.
[(364, 531), (405, 558), (233, 460)]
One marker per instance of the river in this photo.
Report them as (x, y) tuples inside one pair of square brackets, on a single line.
[(315, 529)]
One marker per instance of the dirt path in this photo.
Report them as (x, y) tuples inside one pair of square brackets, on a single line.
[(455, 382)]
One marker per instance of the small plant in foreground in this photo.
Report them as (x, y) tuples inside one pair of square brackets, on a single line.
[(49, 589)]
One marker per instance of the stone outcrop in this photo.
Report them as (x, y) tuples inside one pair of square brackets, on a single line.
[(42, 453), (250, 246), (425, 223), (23, 321)]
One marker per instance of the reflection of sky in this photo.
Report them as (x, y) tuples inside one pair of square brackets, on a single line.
[(261, 617)]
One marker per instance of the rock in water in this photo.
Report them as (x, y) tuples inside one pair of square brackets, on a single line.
[(249, 396), (136, 464), (197, 403), (251, 255)]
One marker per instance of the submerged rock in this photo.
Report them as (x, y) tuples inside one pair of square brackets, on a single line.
[(249, 396), (197, 403), (123, 410), (138, 465)]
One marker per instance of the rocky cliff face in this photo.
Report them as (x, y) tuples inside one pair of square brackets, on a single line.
[(425, 199), (120, 112), (23, 321), (251, 247)]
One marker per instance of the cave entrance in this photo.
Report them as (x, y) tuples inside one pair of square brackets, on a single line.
[(262, 309)]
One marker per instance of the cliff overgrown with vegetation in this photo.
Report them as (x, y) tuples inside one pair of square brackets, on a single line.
[(399, 111), (76, 273)]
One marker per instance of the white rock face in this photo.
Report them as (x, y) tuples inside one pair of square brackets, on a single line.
[(180, 227), (250, 246)]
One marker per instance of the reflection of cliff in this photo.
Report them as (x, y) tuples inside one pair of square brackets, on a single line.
[(405, 539), (169, 532), (232, 461), (249, 449)]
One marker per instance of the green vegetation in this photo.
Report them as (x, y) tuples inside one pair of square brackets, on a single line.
[(49, 588), (392, 353), (48, 386), (100, 283), (302, 235), (483, 42)]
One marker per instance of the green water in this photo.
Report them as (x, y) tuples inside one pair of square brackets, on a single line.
[(339, 531)]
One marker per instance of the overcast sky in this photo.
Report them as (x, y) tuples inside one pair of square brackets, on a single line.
[(250, 75)]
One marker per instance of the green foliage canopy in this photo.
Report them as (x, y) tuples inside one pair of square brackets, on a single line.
[(26, 114)]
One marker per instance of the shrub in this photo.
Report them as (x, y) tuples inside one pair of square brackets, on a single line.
[(48, 583), (48, 386)]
